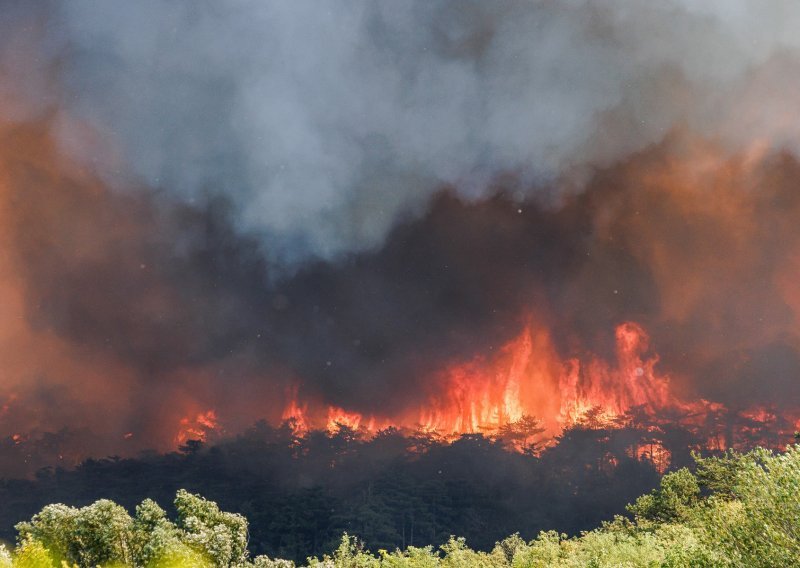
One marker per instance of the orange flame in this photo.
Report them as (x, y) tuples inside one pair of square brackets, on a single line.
[(197, 427), (295, 413), (526, 378), (528, 395)]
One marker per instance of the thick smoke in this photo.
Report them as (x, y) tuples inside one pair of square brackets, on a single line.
[(205, 204), (325, 126)]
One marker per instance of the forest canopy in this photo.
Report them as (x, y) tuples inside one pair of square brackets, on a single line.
[(734, 510)]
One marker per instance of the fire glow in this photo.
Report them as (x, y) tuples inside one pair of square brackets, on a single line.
[(197, 427), (509, 221), (527, 388), (525, 378)]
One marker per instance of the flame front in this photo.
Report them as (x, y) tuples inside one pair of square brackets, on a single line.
[(527, 394), (525, 379)]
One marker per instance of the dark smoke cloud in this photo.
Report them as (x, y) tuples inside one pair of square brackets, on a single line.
[(170, 301), (204, 204), (701, 259), (324, 127)]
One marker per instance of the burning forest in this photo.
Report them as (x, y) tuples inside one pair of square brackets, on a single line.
[(443, 220), (663, 292)]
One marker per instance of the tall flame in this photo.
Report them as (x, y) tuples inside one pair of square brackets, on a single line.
[(526, 378), (527, 392)]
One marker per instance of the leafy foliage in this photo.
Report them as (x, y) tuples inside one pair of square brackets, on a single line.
[(734, 511), (672, 501), (103, 534), (301, 491)]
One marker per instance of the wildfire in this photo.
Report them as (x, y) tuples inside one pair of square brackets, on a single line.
[(295, 413), (197, 427), (338, 417), (526, 379), (527, 395)]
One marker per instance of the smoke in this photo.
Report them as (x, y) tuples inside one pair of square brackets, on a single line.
[(325, 127), (205, 204), (697, 247)]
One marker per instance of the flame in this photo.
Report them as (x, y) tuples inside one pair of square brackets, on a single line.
[(527, 396), (653, 451), (197, 427), (295, 414), (338, 417), (526, 378), (501, 392)]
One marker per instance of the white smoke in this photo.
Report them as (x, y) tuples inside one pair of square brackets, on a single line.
[(326, 122)]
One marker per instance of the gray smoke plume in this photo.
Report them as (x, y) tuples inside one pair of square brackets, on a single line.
[(204, 204), (327, 124)]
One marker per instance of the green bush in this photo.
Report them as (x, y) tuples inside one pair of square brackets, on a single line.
[(734, 511)]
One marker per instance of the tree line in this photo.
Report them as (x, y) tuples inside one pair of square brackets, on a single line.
[(394, 490), (731, 511)]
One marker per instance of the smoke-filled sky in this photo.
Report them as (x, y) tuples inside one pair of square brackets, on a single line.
[(204, 204)]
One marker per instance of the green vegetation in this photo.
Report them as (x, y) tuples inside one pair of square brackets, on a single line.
[(737, 510), (300, 493)]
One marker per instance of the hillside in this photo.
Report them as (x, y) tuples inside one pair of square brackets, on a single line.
[(736, 510)]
